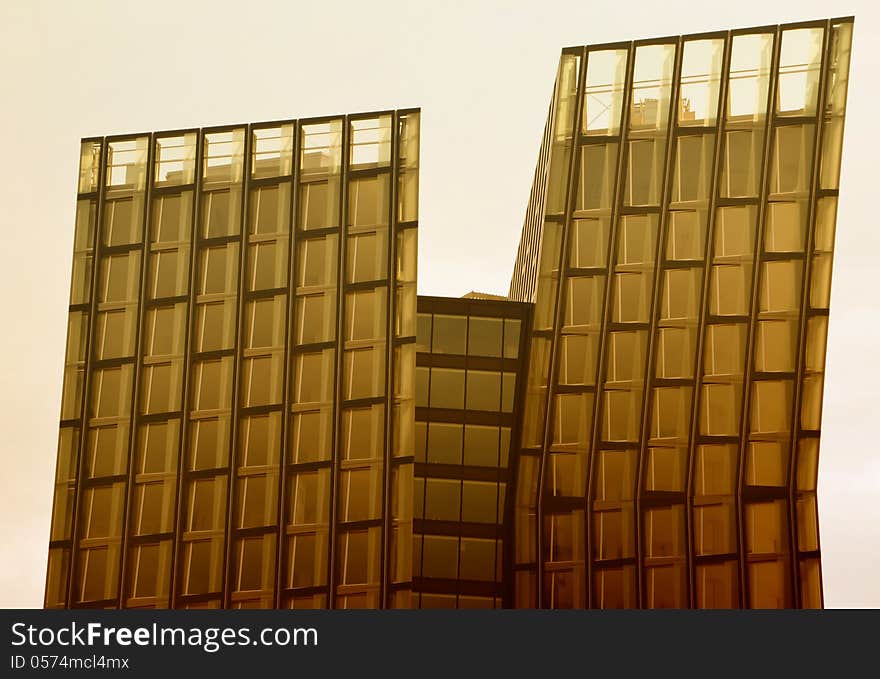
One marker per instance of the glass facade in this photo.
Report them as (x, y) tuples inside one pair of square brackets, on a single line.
[(677, 247), (468, 371), (258, 411), (237, 427)]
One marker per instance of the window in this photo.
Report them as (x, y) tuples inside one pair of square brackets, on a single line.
[(120, 278), (481, 445), (598, 165), (483, 390), (450, 335), (645, 167), (309, 498), (730, 289), (212, 384), (272, 151), (311, 435), (786, 226), (675, 352), (781, 286), (692, 173), (209, 443), (799, 62), (572, 418), (666, 470), (734, 231), (741, 162), (221, 213), (621, 414), (444, 443), (219, 270), (584, 301), (368, 201), (636, 239), (577, 359), (606, 71), (626, 356), (776, 346), (749, 77), (717, 585), (313, 376), (771, 406), (671, 413), (664, 531), (442, 499), (267, 265), (171, 216), (700, 76), (259, 438), (319, 203), (122, 221), (261, 380), (367, 257), (360, 554), (365, 314), (363, 432), (631, 297), (169, 273), (767, 464), (588, 245), (215, 325), (371, 141), (792, 159), (447, 388), (484, 336), (360, 493), (264, 322), (714, 526), (315, 318), (364, 372), (316, 261), (477, 559), (686, 233), (725, 348), (165, 330), (254, 566), (681, 293), (614, 534), (719, 409), (715, 471)]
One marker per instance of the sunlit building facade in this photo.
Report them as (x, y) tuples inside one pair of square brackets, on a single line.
[(677, 247), (238, 405), (469, 369), (258, 411)]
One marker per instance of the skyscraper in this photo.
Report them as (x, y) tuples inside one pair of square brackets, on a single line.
[(678, 247), (236, 425)]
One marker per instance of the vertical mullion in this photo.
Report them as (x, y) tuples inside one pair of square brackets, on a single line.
[(87, 370), (390, 343), (648, 380), (708, 255), (280, 542), (806, 282), (338, 358), (187, 366), (134, 409), (769, 130), (554, 338), (611, 252), (226, 577)]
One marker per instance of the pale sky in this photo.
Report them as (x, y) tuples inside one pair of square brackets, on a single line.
[(482, 73)]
